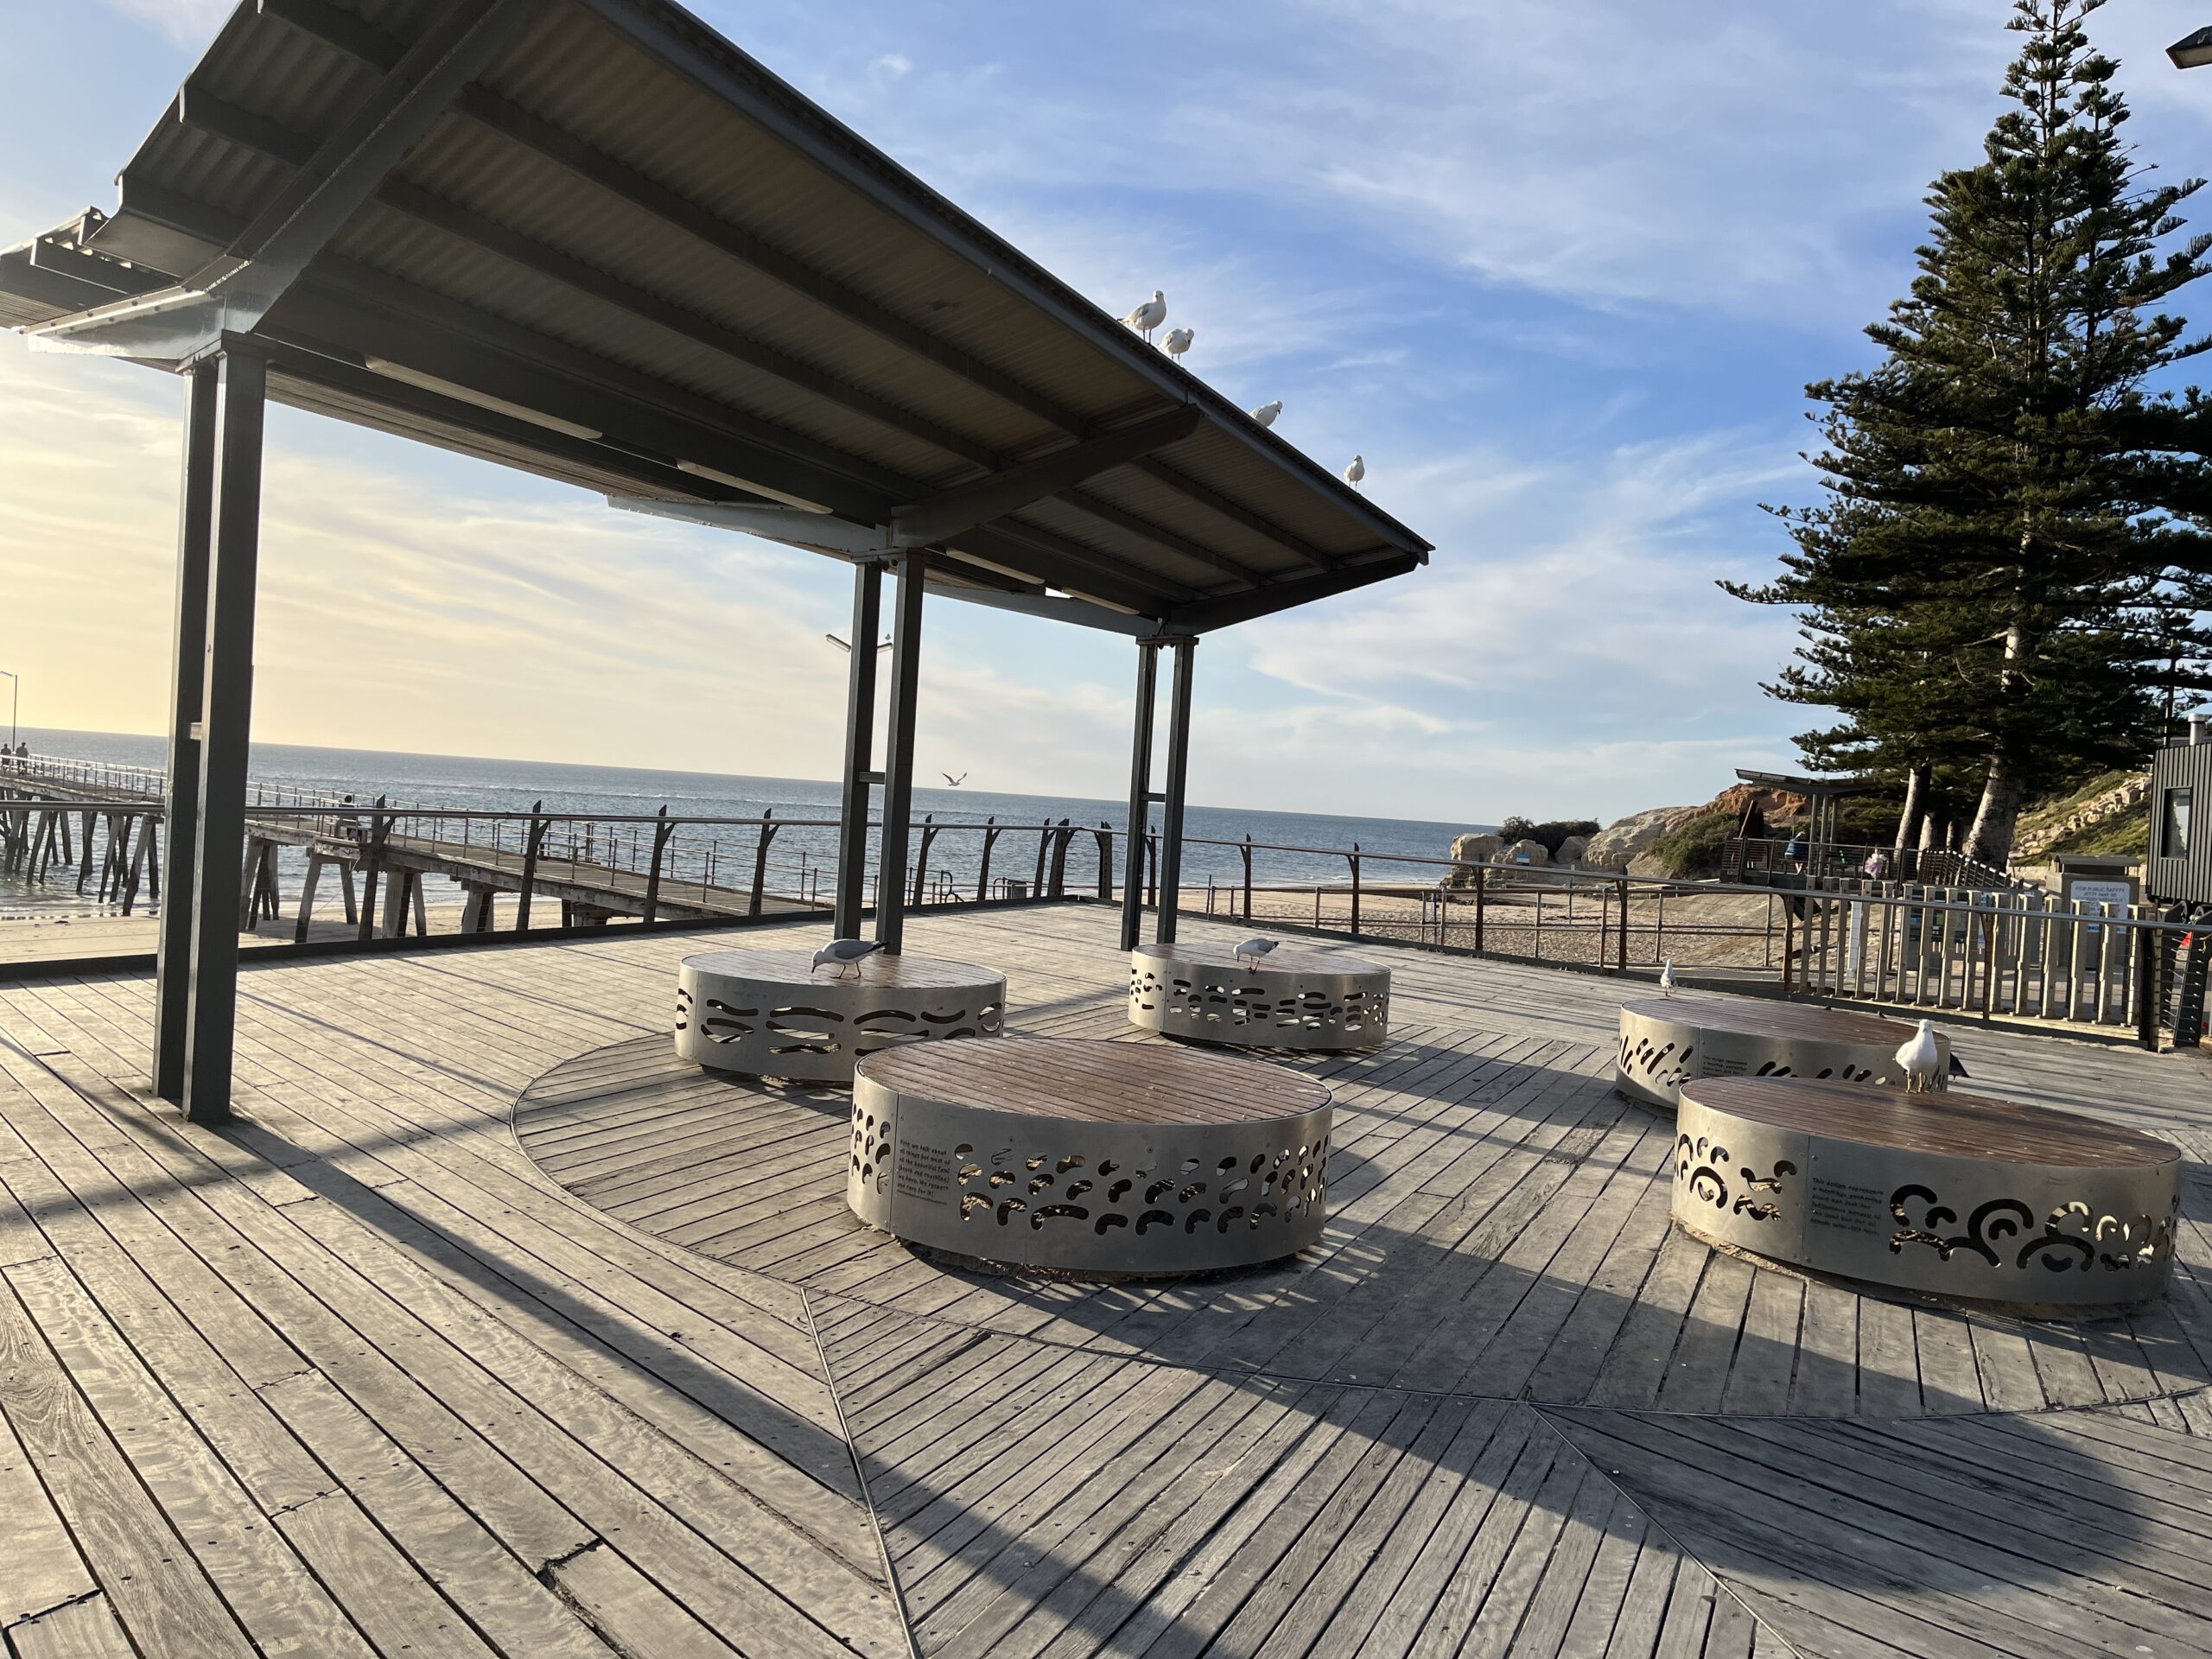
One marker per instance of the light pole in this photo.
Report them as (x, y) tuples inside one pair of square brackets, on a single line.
[(15, 700), (2193, 50)]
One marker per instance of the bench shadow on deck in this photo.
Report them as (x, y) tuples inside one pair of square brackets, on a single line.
[(382, 1368)]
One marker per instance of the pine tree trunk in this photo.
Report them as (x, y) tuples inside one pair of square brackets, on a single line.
[(1929, 840), (1916, 807), (1990, 841)]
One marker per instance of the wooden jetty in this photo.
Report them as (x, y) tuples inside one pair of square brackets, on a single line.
[(392, 1364), (359, 845)]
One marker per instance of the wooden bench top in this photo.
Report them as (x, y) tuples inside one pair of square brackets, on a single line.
[(1760, 1018), (1947, 1124), (797, 967), (1096, 1082), (1281, 959)]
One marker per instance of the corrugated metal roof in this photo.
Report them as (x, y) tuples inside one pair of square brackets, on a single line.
[(627, 255)]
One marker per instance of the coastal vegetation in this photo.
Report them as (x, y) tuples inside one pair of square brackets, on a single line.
[(2000, 593)]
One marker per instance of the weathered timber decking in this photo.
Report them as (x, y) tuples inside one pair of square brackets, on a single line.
[(361, 1374)]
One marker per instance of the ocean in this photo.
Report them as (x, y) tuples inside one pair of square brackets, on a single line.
[(802, 856)]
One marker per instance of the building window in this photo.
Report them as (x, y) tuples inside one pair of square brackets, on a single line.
[(2173, 839)]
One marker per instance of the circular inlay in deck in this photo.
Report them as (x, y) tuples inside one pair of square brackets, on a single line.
[(773, 1013), (1096, 1159), (1955, 1195), (1320, 1001), (1668, 1040), (1498, 1226)]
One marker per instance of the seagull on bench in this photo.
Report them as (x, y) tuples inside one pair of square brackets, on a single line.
[(1666, 978), (845, 953), (1251, 952), (1922, 1059)]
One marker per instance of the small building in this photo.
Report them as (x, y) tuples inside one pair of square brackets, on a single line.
[(2178, 870)]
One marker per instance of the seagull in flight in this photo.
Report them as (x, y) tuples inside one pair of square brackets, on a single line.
[(1250, 952), (1922, 1059), (1178, 341), (951, 782), (1357, 471), (845, 953), (841, 644), (1266, 413), (1149, 315)]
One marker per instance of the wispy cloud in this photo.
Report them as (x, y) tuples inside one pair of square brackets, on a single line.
[(181, 23)]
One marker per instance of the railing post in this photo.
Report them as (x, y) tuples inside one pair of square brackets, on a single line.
[(1482, 887), (768, 828), (1247, 851), (1103, 835), (372, 868), (1620, 962), (662, 829), (983, 866), (1353, 857), (533, 840), (922, 858)]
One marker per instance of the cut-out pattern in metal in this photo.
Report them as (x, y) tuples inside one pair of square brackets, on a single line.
[(755, 1013), (1702, 1168), (2074, 1237), (1343, 1005), (1872, 1191), (1088, 1195), (1665, 1043)]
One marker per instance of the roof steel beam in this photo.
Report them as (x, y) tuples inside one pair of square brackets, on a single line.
[(349, 32), (926, 523), (1200, 616), (268, 256), (679, 40)]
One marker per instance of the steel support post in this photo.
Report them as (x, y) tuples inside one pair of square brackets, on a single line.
[(860, 751), (1140, 796), (1170, 810), (226, 709), (899, 757), (173, 974)]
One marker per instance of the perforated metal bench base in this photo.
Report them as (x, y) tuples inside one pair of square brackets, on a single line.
[(770, 1013), (1666, 1042), (1310, 1000)]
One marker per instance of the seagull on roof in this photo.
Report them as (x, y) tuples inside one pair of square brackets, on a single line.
[(1921, 1060), (1178, 341), (1357, 471), (844, 953), (1266, 413), (1149, 315), (1250, 952), (1667, 981)]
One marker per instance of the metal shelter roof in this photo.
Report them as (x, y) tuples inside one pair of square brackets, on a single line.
[(593, 239), (1819, 787)]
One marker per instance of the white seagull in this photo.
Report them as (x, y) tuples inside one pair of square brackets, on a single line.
[(1266, 413), (1149, 315), (1251, 951), (1922, 1059), (1357, 471), (1666, 978), (838, 642), (951, 782), (1178, 341), (844, 953)]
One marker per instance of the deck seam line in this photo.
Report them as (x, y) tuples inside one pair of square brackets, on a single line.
[(860, 1474), (1544, 1416)]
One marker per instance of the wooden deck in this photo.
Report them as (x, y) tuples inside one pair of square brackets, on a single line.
[(395, 1365)]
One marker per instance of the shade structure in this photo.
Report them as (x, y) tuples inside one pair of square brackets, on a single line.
[(595, 240)]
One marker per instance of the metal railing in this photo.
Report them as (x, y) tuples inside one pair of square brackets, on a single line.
[(1979, 950)]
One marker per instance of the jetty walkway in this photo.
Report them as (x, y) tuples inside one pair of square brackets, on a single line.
[(598, 867)]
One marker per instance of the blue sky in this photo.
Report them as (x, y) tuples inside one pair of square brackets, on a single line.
[(1560, 272)]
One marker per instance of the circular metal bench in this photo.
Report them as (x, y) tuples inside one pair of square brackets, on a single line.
[(1955, 1195), (1668, 1040), (1312, 1000), (771, 1014), (1101, 1159)]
